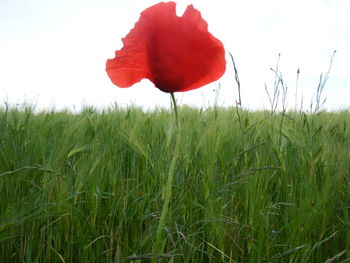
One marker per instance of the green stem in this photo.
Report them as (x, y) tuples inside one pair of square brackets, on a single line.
[(159, 245), (175, 109)]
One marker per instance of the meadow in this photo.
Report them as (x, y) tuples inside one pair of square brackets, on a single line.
[(261, 186)]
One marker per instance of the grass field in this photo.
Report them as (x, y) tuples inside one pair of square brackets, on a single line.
[(247, 186)]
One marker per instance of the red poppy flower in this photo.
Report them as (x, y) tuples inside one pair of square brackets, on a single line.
[(175, 53)]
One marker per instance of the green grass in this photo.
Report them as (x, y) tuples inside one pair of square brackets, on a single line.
[(248, 186)]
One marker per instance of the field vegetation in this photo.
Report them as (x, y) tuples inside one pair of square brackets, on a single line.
[(262, 186)]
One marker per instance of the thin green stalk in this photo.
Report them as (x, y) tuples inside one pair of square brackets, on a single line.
[(239, 102), (158, 249), (175, 109)]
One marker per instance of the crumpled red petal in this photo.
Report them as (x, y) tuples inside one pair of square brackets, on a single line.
[(175, 53)]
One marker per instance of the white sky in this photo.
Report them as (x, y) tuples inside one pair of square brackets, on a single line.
[(53, 52)]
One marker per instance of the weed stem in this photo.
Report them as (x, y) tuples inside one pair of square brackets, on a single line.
[(159, 245)]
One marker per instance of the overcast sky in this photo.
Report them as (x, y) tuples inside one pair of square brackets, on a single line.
[(53, 52)]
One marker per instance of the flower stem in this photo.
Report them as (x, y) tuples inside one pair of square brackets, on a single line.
[(175, 109), (159, 245)]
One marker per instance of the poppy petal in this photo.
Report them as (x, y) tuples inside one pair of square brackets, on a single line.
[(175, 53)]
